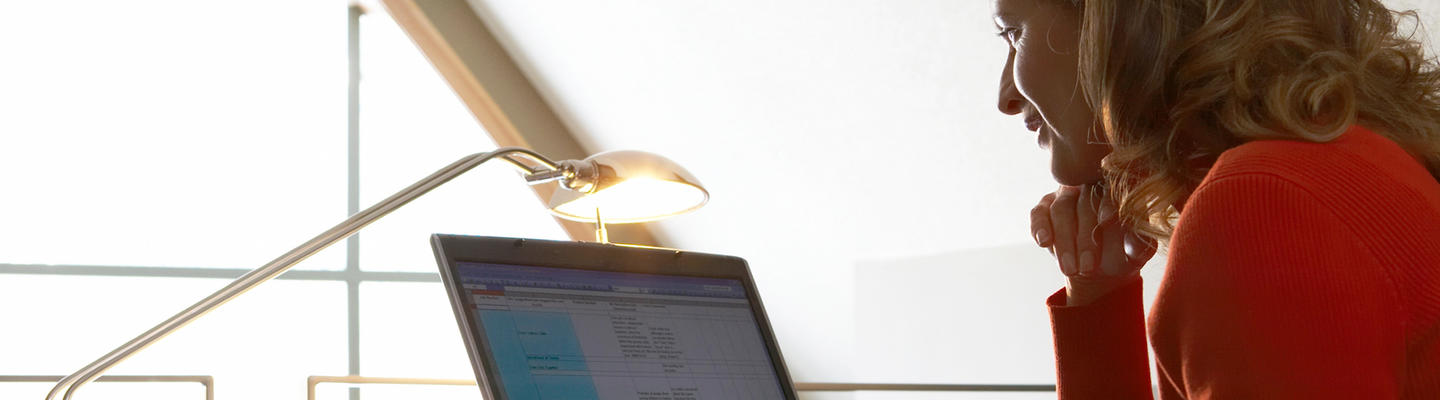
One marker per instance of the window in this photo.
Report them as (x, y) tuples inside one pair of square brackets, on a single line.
[(155, 150)]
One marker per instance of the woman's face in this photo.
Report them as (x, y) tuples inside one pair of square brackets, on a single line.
[(1040, 84)]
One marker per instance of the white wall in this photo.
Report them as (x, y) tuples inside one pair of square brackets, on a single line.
[(828, 132), (974, 316)]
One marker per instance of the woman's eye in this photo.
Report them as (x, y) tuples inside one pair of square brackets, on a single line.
[(1010, 34)]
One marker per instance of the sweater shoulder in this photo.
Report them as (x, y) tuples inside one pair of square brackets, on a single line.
[(1360, 157), (1361, 166), (1361, 182)]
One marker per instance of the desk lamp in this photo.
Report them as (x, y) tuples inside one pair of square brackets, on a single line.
[(629, 186)]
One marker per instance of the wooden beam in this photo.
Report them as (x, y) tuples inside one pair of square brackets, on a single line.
[(465, 51)]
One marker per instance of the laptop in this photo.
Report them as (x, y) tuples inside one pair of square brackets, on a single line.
[(548, 320)]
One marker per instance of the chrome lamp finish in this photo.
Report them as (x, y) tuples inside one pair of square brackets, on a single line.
[(536, 168), (665, 187)]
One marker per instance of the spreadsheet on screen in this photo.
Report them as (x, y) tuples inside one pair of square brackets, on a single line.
[(556, 333)]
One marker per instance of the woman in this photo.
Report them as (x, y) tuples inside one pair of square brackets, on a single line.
[(1285, 151)]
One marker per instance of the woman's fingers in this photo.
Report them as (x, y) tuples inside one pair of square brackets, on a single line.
[(1062, 222), (1113, 260), (1086, 253), (1079, 225), (1040, 227), (1139, 249)]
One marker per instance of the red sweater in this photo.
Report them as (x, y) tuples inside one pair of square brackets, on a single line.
[(1297, 271)]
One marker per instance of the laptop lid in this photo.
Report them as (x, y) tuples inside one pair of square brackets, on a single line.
[(571, 320)]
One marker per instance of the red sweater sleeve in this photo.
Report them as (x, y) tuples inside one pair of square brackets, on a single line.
[(1100, 348), (1268, 295)]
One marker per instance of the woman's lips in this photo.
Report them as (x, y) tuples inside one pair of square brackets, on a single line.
[(1033, 124)]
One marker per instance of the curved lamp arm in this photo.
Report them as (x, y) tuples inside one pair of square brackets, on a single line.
[(349, 226)]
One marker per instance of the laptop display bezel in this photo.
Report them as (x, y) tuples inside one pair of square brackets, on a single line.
[(451, 250)]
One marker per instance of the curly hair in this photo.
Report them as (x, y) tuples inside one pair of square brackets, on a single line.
[(1176, 82)]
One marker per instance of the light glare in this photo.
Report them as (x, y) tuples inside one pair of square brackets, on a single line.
[(635, 200)]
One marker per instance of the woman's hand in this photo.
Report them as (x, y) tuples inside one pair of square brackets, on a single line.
[(1095, 251)]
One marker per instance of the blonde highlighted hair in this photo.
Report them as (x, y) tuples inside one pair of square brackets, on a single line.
[(1176, 82)]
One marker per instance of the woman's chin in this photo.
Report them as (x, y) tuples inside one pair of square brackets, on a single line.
[(1074, 176)]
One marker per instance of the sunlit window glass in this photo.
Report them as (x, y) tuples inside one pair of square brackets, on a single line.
[(412, 124)]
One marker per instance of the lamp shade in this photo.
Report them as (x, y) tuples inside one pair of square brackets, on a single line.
[(628, 186)]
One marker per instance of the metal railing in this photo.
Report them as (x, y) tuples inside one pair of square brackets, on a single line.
[(204, 380), (313, 381)]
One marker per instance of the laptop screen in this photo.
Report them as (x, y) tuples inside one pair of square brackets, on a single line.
[(556, 333)]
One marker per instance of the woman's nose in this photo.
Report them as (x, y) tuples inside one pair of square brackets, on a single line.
[(1011, 102)]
